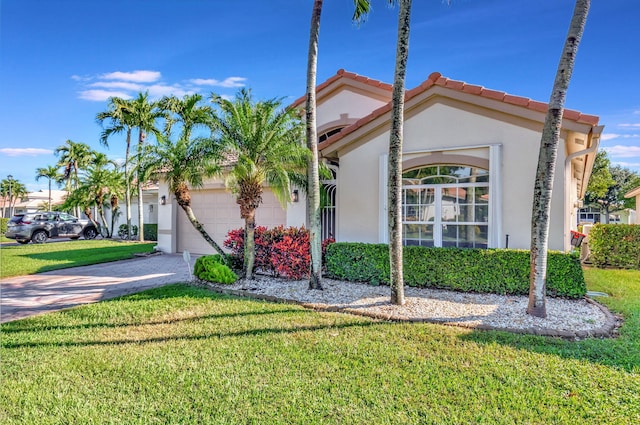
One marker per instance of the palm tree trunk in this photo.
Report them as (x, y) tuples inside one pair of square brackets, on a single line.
[(313, 192), (395, 156), (547, 161), (141, 137), (249, 243), (49, 194), (127, 195)]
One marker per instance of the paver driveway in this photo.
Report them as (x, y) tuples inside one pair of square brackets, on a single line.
[(24, 296)]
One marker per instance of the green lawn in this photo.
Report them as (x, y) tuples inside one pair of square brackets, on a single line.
[(35, 258), (181, 354)]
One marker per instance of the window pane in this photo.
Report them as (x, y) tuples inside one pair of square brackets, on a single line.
[(418, 234), (465, 236)]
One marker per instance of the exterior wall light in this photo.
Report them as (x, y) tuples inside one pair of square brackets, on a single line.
[(295, 197), (163, 200)]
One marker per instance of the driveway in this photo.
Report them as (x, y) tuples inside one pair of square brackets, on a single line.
[(25, 296)]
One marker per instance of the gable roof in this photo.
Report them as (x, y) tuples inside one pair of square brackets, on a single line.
[(343, 78), (437, 80)]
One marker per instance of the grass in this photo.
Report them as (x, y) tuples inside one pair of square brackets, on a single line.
[(181, 354), (35, 258)]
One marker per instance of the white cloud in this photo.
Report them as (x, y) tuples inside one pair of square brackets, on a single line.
[(633, 125), (159, 90), (102, 95), (135, 76), (118, 85), (229, 82), (611, 136), (25, 151), (627, 164), (621, 151)]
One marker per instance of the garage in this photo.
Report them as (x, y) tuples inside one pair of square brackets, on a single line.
[(218, 212)]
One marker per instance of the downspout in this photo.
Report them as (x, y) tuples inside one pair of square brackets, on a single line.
[(594, 139)]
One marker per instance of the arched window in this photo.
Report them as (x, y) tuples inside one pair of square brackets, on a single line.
[(446, 206)]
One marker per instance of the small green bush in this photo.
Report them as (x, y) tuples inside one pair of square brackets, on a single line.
[(499, 271), (3, 225), (616, 245), (212, 269), (150, 232), (122, 231)]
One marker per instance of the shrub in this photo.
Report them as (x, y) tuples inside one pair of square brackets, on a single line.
[(122, 231), (500, 271), (150, 232), (280, 251), (616, 245), (212, 269), (3, 225)]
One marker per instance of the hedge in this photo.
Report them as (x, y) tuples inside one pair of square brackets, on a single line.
[(616, 245), (499, 271), (3, 225), (150, 232)]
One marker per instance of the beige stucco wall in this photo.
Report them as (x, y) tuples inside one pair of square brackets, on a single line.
[(444, 127), (353, 104)]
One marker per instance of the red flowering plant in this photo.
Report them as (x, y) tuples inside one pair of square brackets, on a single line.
[(280, 251)]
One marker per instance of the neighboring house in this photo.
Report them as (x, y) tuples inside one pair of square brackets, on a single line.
[(635, 193), (150, 201), (469, 160), (37, 201), (593, 214)]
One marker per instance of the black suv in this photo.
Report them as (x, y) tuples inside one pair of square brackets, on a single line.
[(40, 226)]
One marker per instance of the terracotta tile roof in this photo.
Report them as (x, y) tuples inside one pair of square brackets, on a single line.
[(436, 79), (347, 75)]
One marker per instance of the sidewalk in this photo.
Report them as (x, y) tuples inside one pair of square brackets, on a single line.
[(24, 296)]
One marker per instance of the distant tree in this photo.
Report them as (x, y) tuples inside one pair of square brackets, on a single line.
[(267, 142), (118, 119), (143, 114), (51, 174), (73, 156), (11, 190), (608, 185), (547, 161)]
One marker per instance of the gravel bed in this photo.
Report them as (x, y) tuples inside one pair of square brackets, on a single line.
[(565, 318)]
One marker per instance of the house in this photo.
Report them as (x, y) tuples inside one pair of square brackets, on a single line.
[(38, 201), (593, 214), (469, 159), (635, 193)]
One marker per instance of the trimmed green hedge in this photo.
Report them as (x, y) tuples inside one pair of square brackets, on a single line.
[(616, 245), (3, 225), (500, 271), (150, 232)]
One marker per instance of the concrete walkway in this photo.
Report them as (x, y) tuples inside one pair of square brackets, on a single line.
[(25, 296)]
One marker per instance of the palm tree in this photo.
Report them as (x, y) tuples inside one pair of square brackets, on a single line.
[(13, 190), (266, 140), (184, 164), (143, 115), (362, 7), (188, 112), (73, 157), (50, 173), (395, 155), (547, 160), (120, 120), (98, 182)]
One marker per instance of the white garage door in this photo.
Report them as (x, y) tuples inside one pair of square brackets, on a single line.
[(218, 212)]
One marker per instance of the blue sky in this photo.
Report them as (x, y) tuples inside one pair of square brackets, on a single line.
[(60, 60)]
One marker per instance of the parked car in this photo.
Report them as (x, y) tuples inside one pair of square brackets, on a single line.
[(40, 226)]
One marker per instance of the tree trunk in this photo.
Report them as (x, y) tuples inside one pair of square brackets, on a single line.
[(249, 244), (127, 181), (313, 192), (141, 137), (49, 194), (547, 161), (395, 155)]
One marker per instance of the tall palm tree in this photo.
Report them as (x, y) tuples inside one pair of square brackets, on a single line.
[(51, 174), (547, 161), (12, 190), (395, 155), (97, 182), (267, 142), (188, 112), (362, 7), (143, 115), (73, 157), (119, 120), (184, 164)]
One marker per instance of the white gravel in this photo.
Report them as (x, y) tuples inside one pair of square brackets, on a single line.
[(565, 318)]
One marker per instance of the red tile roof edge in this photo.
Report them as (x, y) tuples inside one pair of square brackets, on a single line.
[(349, 75), (437, 79)]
